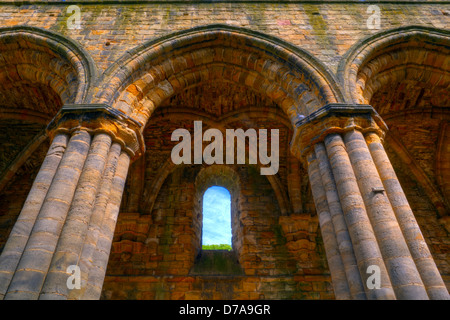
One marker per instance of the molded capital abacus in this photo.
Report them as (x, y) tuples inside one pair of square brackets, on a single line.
[(100, 118), (334, 118)]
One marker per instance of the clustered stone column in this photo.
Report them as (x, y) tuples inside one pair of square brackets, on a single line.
[(366, 222), (69, 216)]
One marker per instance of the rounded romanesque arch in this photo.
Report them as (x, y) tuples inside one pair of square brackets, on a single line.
[(34, 59), (228, 78), (40, 71), (415, 59), (153, 72), (404, 74)]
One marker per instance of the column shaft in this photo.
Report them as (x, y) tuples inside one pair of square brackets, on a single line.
[(73, 235), (35, 261), (340, 228), (362, 188), (104, 242), (418, 248), (21, 231), (363, 238), (69, 216), (95, 224), (403, 273), (338, 275)]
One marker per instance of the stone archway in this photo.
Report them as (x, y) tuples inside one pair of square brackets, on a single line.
[(399, 72), (155, 71), (41, 71), (364, 220), (225, 77)]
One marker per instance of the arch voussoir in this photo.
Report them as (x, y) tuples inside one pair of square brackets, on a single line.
[(236, 54)]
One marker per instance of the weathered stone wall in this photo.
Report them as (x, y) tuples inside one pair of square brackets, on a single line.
[(275, 255), (326, 30), (278, 243), (14, 193), (280, 256)]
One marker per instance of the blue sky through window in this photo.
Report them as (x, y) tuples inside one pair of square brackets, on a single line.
[(216, 216)]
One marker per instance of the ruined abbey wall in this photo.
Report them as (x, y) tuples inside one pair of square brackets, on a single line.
[(278, 244)]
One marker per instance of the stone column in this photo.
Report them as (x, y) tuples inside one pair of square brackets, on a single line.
[(35, 259), (340, 228), (72, 237), (78, 193), (364, 206), (365, 246), (426, 266), (97, 219), (21, 231), (334, 258), (100, 255)]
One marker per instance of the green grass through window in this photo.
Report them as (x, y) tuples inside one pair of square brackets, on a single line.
[(216, 247)]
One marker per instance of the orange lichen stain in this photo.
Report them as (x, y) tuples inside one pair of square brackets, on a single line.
[(99, 32), (133, 90), (419, 237)]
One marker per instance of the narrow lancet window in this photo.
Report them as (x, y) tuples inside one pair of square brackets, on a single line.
[(216, 233)]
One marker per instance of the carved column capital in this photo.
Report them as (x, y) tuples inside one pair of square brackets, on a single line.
[(334, 118), (100, 118)]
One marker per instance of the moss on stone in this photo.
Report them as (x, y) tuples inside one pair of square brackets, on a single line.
[(217, 262)]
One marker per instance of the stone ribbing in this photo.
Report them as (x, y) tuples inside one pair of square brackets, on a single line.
[(22, 229), (214, 52), (382, 60), (42, 56), (35, 261), (426, 266)]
